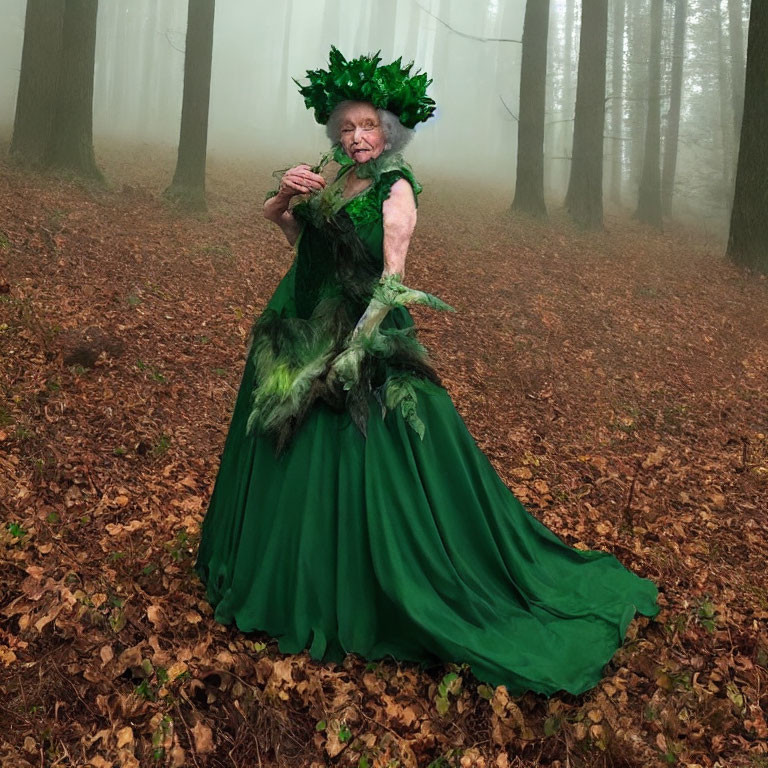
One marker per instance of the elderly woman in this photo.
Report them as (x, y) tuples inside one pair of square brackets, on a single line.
[(353, 511), (363, 132)]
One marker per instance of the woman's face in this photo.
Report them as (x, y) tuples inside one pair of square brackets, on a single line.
[(362, 136)]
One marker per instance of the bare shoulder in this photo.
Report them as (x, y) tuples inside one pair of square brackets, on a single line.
[(401, 197)]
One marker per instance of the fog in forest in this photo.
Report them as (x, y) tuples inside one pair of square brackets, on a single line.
[(399, 500), (472, 50)]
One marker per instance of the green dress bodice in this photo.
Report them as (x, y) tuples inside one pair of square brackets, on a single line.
[(338, 261), (313, 269)]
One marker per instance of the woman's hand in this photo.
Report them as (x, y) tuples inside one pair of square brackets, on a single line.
[(300, 180)]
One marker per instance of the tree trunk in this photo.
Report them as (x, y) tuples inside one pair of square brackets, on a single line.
[(529, 190), (382, 30), (638, 44), (442, 59), (568, 105), (568, 55), (649, 203), (748, 240), (155, 85), (676, 95), (363, 23), (330, 30), (115, 83), (726, 121), (38, 81), (550, 134), (412, 41), (71, 146), (188, 185), (282, 112), (617, 100), (585, 188), (147, 112), (736, 37)]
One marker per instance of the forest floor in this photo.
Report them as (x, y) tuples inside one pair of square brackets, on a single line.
[(618, 382)]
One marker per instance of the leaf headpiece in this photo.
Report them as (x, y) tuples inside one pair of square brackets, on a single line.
[(390, 87)]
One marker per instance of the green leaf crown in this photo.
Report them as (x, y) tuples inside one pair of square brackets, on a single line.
[(388, 87)]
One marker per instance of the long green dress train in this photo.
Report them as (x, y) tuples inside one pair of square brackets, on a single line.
[(400, 542)]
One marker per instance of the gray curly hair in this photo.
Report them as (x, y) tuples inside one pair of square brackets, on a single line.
[(396, 135)]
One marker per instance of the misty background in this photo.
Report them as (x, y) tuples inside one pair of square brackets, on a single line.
[(469, 47)]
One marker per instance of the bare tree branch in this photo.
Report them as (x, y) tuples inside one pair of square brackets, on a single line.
[(170, 42), (514, 116), (465, 34)]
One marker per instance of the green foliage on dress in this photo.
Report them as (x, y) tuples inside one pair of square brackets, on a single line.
[(319, 356)]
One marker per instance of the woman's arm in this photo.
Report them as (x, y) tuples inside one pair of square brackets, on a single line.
[(399, 214), (298, 180), (399, 217), (276, 210)]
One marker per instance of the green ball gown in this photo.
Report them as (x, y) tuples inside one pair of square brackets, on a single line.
[(370, 522)]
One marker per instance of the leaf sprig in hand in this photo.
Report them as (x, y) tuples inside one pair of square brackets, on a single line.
[(391, 291)]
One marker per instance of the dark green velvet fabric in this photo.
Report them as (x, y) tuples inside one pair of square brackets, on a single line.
[(398, 545)]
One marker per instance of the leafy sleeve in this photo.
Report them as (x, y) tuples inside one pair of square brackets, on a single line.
[(404, 171)]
